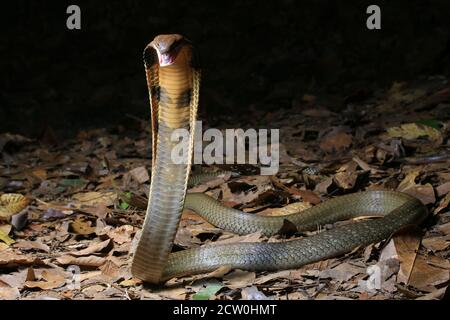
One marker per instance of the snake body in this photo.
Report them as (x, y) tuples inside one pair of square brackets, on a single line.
[(173, 82)]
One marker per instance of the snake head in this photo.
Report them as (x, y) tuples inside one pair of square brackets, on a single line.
[(167, 47)]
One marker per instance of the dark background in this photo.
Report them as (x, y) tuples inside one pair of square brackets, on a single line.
[(256, 55)]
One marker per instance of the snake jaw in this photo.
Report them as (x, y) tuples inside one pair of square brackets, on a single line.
[(167, 48)]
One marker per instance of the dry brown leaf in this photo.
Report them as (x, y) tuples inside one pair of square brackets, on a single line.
[(140, 174), (122, 234), (410, 131), (342, 272), (14, 279), (12, 203), (176, 293), (239, 279), (29, 245), (284, 274), (82, 226), (89, 261), (40, 174), (110, 269), (346, 180), (50, 279), (10, 259), (291, 208), (407, 245), (262, 184), (336, 140), (93, 248), (437, 243), (443, 189), (251, 237), (7, 293), (443, 204), (410, 179), (424, 193), (429, 272), (444, 228), (95, 198), (435, 295), (322, 187)]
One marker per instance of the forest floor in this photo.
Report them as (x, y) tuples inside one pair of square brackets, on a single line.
[(85, 199)]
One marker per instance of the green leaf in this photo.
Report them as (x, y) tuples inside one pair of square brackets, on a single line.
[(124, 205), (430, 123), (208, 292)]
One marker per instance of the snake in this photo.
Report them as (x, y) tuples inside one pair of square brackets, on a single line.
[(173, 78)]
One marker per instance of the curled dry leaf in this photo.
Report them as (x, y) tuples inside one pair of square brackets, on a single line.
[(7, 293), (32, 245), (239, 279), (95, 198), (89, 261), (410, 131), (443, 204), (82, 226), (437, 243), (335, 141), (140, 174), (93, 248), (48, 279), (12, 203), (424, 193), (122, 234), (11, 259)]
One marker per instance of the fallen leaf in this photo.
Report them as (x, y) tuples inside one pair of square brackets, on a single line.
[(424, 193), (208, 292), (239, 279), (429, 272), (49, 279), (342, 272), (82, 226), (291, 208), (346, 180), (6, 239), (335, 141), (437, 243), (407, 245), (410, 131), (140, 174), (93, 248), (12, 203), (443, 204), (130, 282), (122, 234), (7, 293), (95, 198), (443, 189), (11, 259), (89, 261), (30, 245)]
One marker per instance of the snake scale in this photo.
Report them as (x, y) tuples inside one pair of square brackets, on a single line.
[(173, 80)]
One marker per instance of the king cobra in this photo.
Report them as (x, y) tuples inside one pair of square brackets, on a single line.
[(173, 79)]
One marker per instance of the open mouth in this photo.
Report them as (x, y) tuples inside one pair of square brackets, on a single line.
[(165, 59)]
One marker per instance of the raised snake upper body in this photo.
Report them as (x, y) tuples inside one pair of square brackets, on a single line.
[(173, 82)]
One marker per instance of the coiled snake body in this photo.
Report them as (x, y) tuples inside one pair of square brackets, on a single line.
[(173, 81)]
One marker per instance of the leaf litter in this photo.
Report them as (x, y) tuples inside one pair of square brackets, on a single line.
[(86, 199)]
